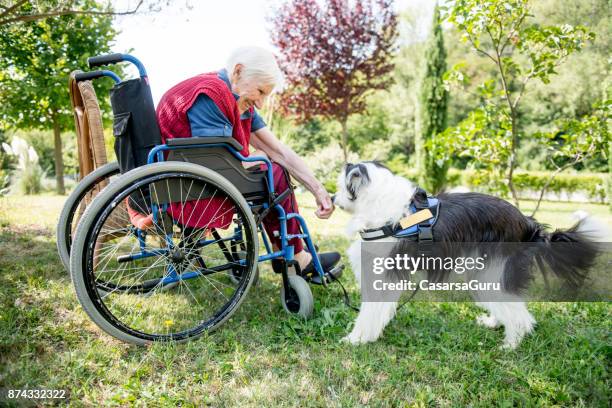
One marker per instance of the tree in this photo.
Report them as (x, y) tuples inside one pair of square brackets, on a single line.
[(332, 55), (521, 52), (576, 140), (433, 109), (36, 60), (23, 11)]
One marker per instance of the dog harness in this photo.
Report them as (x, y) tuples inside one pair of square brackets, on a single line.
[(417, 225)]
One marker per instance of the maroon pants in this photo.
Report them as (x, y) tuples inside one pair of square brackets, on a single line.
[(271, 222)]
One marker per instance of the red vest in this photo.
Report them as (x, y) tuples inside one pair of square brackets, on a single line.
[(173, 122), (173, 106)]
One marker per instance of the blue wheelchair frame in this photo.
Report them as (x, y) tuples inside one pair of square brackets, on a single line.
[(286, 251), (156, 154)]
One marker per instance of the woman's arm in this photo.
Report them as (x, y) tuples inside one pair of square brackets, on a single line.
[(263, 139)]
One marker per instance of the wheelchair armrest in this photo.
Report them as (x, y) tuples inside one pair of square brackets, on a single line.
[(189, 141)]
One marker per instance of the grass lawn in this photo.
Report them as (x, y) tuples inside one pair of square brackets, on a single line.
[(432, 354)]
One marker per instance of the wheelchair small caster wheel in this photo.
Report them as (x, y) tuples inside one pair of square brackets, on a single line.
[(235, 273), (299, 300)]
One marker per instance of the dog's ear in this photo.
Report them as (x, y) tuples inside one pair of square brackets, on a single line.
[(362, 172), (356, 177)]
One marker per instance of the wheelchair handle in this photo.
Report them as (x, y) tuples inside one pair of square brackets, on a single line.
[(106, 59), (87, 76), (109, 59)]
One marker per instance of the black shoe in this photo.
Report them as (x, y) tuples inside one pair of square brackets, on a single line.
[(277, 264), (328, 262)]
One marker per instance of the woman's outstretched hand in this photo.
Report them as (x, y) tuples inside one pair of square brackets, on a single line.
[(325, 207)]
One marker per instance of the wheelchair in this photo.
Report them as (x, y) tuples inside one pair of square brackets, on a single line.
[(168, 250)]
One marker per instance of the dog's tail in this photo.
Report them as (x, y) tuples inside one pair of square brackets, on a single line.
[(570, 253)]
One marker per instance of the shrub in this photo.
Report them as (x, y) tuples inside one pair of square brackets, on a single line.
[(43, 144), (592, 185), (28, 175), (4, 182), (326, 164)]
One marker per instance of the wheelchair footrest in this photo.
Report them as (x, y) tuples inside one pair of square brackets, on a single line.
[(314, 278), (330, 276)]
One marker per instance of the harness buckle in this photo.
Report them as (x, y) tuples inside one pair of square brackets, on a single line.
[(425, 234)]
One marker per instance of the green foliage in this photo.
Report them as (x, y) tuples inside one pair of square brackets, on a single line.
[(326, 165), (37, 59), (310, 136), (42, 142), (5, 179), (316, 133), (25, 11), (482, 139), (521, 51), (29, 180), (583, 77), (5, 159), (609, 179), (575, 140), (304, 138), (484, 142), (592, 185), (372, 125), (27, 176), (532, 156), (434, 107)]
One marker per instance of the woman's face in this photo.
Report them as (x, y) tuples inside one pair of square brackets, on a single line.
[(250, 91)]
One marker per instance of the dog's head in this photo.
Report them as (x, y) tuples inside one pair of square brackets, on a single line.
[(355, 182)]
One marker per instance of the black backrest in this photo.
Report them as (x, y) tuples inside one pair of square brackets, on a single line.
[(251, 183), (135, 123)]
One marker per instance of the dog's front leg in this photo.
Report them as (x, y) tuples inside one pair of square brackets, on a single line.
[(354, 256), (355, 225), (372, 319)]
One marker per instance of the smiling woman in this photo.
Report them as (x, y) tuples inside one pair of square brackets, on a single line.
[(224, 103)]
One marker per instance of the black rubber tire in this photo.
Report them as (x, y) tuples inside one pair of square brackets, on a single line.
[(300, 300), (86, 291), (66, 221), (242, 255)]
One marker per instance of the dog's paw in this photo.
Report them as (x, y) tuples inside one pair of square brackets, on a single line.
[(351, 339), (487, 321), (509, 345), (356, 338)]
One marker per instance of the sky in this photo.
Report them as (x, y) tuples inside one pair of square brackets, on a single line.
[(177, 43)]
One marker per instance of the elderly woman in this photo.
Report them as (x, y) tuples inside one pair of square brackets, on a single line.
[(224, 103)]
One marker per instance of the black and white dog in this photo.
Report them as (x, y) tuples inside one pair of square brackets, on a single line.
[(376, 197)]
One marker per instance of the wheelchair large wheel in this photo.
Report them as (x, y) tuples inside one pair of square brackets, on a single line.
[(75, 205), (236, 273), (172, 281)]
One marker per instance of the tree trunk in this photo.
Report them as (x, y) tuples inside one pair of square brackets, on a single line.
[(513, 159), (57, 153), (344, 142), (609, 178), (418, 137)]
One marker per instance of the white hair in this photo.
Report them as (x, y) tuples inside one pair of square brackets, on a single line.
[(258, 64)]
